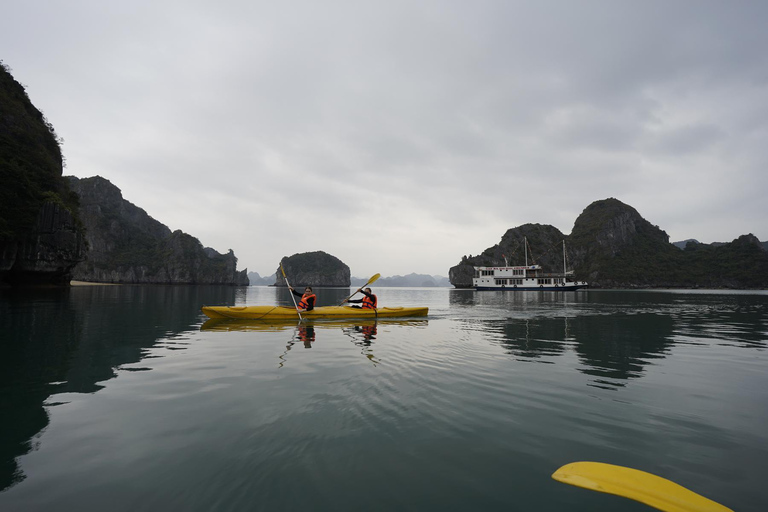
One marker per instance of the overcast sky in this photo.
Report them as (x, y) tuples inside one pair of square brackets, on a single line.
[(401, 135)]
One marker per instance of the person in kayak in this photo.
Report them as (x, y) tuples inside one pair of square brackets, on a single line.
[(307, 302), (368, 302)]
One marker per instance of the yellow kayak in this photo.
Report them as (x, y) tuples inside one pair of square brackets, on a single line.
[(283, 312)]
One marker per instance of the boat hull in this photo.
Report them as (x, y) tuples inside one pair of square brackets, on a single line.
[(537, 288), (283, 312)]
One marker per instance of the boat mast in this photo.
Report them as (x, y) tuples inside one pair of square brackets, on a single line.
[(564, 269)]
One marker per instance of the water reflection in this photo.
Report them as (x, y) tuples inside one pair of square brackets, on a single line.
[(362, 331), (514, 300), (277, 325), (614, 335), (70, 340), (306, 334), (534, 338), (302, 333), (363, 336), (457, 376), (616, 348)]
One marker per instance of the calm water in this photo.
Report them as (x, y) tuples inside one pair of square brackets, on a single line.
[(122, 398)]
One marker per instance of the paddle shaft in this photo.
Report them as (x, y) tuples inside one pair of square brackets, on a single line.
[(290, 290)]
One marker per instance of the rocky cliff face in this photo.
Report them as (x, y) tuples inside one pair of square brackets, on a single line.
[(613, 246), (313, 269), (544, 248), (48, 253), (129, 246), (41, 238)]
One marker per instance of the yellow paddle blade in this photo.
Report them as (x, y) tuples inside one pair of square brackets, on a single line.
[(637, 485), (371, 280), (282, 269)]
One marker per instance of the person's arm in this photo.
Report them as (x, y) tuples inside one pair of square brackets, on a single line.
[(369, 295), (355, 301), (298, 294)]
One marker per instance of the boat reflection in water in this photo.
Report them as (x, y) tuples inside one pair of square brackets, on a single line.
[(362, 331)]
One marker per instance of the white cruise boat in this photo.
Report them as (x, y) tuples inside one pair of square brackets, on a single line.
[(526, 277)]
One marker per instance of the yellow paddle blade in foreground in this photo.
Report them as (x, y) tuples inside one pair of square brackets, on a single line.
[(636, 485)]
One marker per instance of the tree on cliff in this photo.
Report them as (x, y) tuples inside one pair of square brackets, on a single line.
[(30, 161)]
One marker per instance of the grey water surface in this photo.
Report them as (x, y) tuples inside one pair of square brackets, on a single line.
[(126, 398)]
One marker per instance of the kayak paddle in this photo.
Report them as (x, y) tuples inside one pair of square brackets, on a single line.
[(289, 289), (636, 485), (370, 281)]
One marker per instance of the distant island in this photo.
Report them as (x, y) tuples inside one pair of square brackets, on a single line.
[(613, 246), (411, 280), (315, 268), (254, 279)]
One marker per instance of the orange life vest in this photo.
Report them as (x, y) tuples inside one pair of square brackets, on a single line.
[(369, 303), (304, 302)]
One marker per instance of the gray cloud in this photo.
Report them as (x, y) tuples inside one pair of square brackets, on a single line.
[(400, 136)]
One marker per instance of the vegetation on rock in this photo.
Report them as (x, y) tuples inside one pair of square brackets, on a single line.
[(41, 236), (30, 161)]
